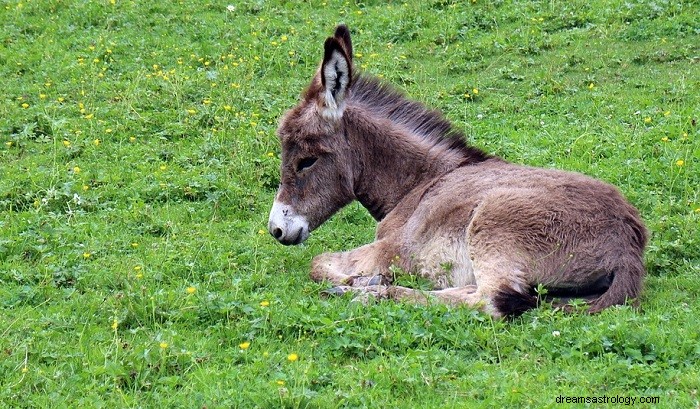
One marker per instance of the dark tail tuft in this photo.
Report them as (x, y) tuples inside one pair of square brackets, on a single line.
[(511, 303)]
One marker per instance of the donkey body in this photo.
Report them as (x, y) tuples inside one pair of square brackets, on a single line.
[(485, 232)]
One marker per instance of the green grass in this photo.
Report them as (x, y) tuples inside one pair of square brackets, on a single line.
[(138, 160)]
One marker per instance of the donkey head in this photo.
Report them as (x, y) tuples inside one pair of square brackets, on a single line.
[(317, 165)]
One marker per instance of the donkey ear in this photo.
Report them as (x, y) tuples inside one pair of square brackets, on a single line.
[(336, 74), (342, 33)]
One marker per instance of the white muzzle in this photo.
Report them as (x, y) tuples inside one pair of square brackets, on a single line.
[(286, 225)]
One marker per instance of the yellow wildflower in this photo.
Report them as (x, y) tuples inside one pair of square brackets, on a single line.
[(292, 357), (244, 345), (680, 162), (191, 290), (264, 303), (163, 345), (647, 120), (115, 324)]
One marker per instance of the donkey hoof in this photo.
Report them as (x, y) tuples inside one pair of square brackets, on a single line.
[(335, 291), (363, 281)]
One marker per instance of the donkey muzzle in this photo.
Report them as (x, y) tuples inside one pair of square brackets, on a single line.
[(286, 225)]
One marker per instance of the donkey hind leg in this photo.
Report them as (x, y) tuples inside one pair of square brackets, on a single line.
[(497, 304), (466, 295), (500, 290), (365, 266)]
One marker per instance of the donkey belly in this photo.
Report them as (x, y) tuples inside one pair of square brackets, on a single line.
[(445, 262)]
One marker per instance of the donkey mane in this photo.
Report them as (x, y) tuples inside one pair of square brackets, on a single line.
[(428, 124)]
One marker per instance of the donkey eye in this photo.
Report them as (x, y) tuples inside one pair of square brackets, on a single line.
[(305, 163)]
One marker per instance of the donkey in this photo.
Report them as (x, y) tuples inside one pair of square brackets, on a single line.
[(486, 233)]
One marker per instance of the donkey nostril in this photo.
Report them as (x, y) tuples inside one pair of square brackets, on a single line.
[(277, 233)]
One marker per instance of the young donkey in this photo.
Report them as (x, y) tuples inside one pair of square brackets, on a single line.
[(485, 232)]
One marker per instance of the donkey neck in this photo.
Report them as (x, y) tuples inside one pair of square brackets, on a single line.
[(391, 160)]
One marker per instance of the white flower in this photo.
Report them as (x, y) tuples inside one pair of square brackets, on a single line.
[(556, 333), (231, 8)]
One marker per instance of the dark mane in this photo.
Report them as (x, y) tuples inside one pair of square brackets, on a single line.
[(426, 123)]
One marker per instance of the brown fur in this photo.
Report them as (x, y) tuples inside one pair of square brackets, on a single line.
[(486, 232)]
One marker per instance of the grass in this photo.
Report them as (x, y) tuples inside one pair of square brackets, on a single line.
[(138, 164)]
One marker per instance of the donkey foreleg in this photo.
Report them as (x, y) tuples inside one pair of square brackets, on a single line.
[(329, 267), (365, 266)]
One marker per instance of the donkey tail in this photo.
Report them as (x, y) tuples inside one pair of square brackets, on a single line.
[(628, 273), (626, 286)]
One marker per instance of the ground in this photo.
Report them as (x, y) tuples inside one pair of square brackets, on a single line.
[(138, 163)]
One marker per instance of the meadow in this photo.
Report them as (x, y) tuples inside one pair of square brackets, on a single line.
[(138, 164)]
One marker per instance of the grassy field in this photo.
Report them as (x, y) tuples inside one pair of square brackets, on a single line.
[(138, 162)]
